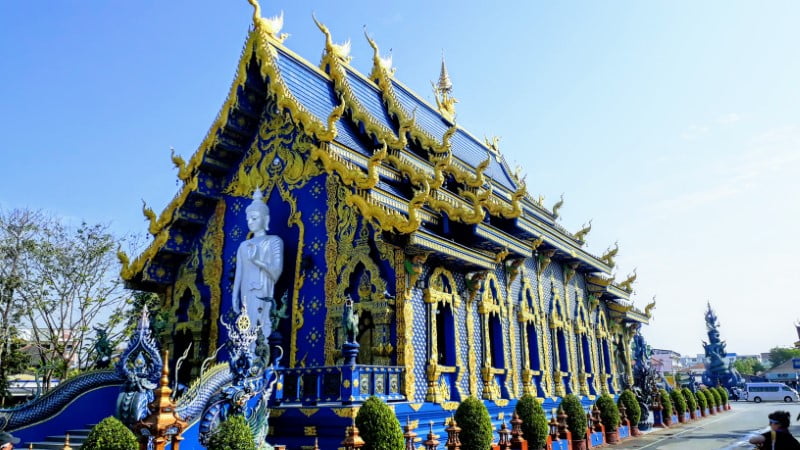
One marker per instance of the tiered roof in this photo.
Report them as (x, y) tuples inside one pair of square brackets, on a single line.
[(369, 124)]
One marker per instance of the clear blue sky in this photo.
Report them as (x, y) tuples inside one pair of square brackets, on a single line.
[(674, 125)]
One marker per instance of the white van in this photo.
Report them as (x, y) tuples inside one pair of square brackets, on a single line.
[(765, 392)]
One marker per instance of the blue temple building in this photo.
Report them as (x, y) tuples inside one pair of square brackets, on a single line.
[(463, 283)]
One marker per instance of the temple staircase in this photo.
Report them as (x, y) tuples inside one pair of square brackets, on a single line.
[(76, 438)]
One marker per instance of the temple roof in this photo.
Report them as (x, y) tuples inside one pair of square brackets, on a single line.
[(352, 116)]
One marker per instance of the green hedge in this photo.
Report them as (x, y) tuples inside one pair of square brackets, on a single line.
[(609, 413), (678, 401), (691, 401), (476, 425), (534, 421), (233, 434), (702, 400), (110, 434), (378, 426), (666, 404), (576, 416), (632, 408)]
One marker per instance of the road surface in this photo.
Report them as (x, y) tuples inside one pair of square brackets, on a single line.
[(726, 430)]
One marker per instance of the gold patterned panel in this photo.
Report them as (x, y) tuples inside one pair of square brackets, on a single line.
[(211, 245)]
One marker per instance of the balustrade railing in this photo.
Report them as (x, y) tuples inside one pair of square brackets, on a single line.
[(339, 384)]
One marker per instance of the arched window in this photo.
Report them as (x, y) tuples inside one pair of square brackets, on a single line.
[(531, 340), (492, 310), (446, 370), (560, 351)]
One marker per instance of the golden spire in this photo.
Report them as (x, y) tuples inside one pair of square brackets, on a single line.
[(445, 85), (443, 90)]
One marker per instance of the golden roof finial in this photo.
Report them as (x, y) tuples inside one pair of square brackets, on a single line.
[(445, 85), (272, 26), (443, 90)]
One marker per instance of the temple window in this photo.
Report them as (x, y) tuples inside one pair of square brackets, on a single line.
[(492, 309), (446, 370)]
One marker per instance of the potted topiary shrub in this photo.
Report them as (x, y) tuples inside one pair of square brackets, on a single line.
[(110, 434), (476, 425), (378, 426), (691, 402), (713, 401), (702, 401), (233, 434), (534, 422), (633, 410), (609, 415), (576, 420), (679, 403), (666, 405), (723, 393)]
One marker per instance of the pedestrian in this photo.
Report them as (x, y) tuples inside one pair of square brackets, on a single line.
[(778, 437), (7, 441)]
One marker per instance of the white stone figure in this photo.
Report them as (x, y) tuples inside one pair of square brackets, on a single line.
[(259, 263)]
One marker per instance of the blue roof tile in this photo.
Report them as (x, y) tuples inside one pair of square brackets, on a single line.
[(370, 98), (310, 88)]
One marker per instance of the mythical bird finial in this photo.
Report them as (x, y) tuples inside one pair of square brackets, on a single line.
[(493, 143), (580, 235), (627, 285), (150, 215), (339, 51), (378, 62), (558, 206), (271, 26), (610, 254), (648, 310)]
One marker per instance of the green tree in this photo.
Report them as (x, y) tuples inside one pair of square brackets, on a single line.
[(379, 426), (534, 421), (576, 416), (748, 366), (71, 286), (632, 408), (18, 231), (779, 355), (233, 434), (476, 425), (14, 362), (110, 434)]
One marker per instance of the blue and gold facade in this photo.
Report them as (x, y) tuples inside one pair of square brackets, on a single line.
[(464, 284)]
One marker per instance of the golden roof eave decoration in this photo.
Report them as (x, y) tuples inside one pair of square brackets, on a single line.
[(580, 235), (389, 220), (648, 310), (627, 284), (610, 254), (334, 60), (382, 76)]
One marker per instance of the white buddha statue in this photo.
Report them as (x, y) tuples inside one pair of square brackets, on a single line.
[(259, 263)]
